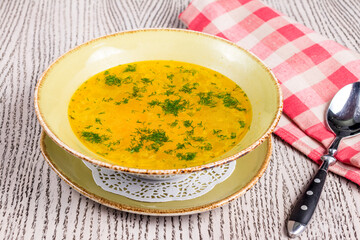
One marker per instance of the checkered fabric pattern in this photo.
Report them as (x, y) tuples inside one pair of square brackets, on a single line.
[(310, 68)]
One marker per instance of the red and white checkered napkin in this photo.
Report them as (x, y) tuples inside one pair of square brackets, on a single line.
[(310, 68)]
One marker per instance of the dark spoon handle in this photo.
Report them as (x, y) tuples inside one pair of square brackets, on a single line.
[(306, 204)]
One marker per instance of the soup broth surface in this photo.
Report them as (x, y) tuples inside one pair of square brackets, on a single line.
[(159, 114)]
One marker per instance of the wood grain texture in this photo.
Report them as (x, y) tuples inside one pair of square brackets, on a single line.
[(36, 204)]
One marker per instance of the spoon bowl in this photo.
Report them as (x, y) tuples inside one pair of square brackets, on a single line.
[(343, 115)]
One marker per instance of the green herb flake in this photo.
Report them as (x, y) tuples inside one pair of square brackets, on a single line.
[(154, 103), (198, 139), (134, 148), (88, 127), (208, 147), (147, 81), (174, 106), (206, 99), (216, 131), (187, 156), (107, 99), (169, 92), (192, 71), (124, 101), (232, 102), (170, 76), (233, 135), (109, 130), (98, 120), (187, 123), (127, 80), (242, 124), (173, 124), (94, 137), (188, 88), (130, 68), (106, 72), (180, 146), (136, 91), (71, 117), (169, 151), (101, 112), (112, 80)]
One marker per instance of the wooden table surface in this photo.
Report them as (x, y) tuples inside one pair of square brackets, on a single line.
[(36, 204)]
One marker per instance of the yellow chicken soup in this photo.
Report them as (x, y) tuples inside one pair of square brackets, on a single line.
[(159, 114)]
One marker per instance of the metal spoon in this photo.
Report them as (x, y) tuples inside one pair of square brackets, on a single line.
[(343, 118)]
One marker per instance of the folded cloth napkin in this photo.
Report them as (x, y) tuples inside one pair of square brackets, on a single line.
[(309, 67)]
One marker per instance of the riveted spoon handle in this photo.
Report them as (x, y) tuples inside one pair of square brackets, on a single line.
[(306, 205)]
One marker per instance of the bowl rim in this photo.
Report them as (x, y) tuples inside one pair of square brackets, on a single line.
[(58, 141)]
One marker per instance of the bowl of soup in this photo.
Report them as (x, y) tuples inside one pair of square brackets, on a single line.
[(158, 102)]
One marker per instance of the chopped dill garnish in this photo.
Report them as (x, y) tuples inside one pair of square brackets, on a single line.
[(154, 139), (208, 146), (174, 124), (187, 123), (198, 139), (232, 102), (168, 151), (147, 80), (242, 124), (88, 127), (137, 90), (133, 148), (98, 120), (94, 137), (200, 124), (101, 112), (207, 99), (222, 137), (112, 80), (233, 135), (180, 146), (170, 76), (130, 68), (191, 132), (187, 88), (169, 92), (154, 103), (174, 106), (187, 156), (192, 71), (166, 66), (216, 131), (124, 101), (106, 72), (109, 130), (127, 80), (71, 117), (107, 99)]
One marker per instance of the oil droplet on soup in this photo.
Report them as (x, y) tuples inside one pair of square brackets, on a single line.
[(159, 114)]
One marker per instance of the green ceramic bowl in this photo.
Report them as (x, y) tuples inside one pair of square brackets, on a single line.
[(65, 75)]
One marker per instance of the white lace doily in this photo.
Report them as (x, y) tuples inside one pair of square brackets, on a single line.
[(145, 190)]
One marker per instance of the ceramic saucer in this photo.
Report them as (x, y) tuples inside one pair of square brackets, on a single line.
[(73, 171)]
